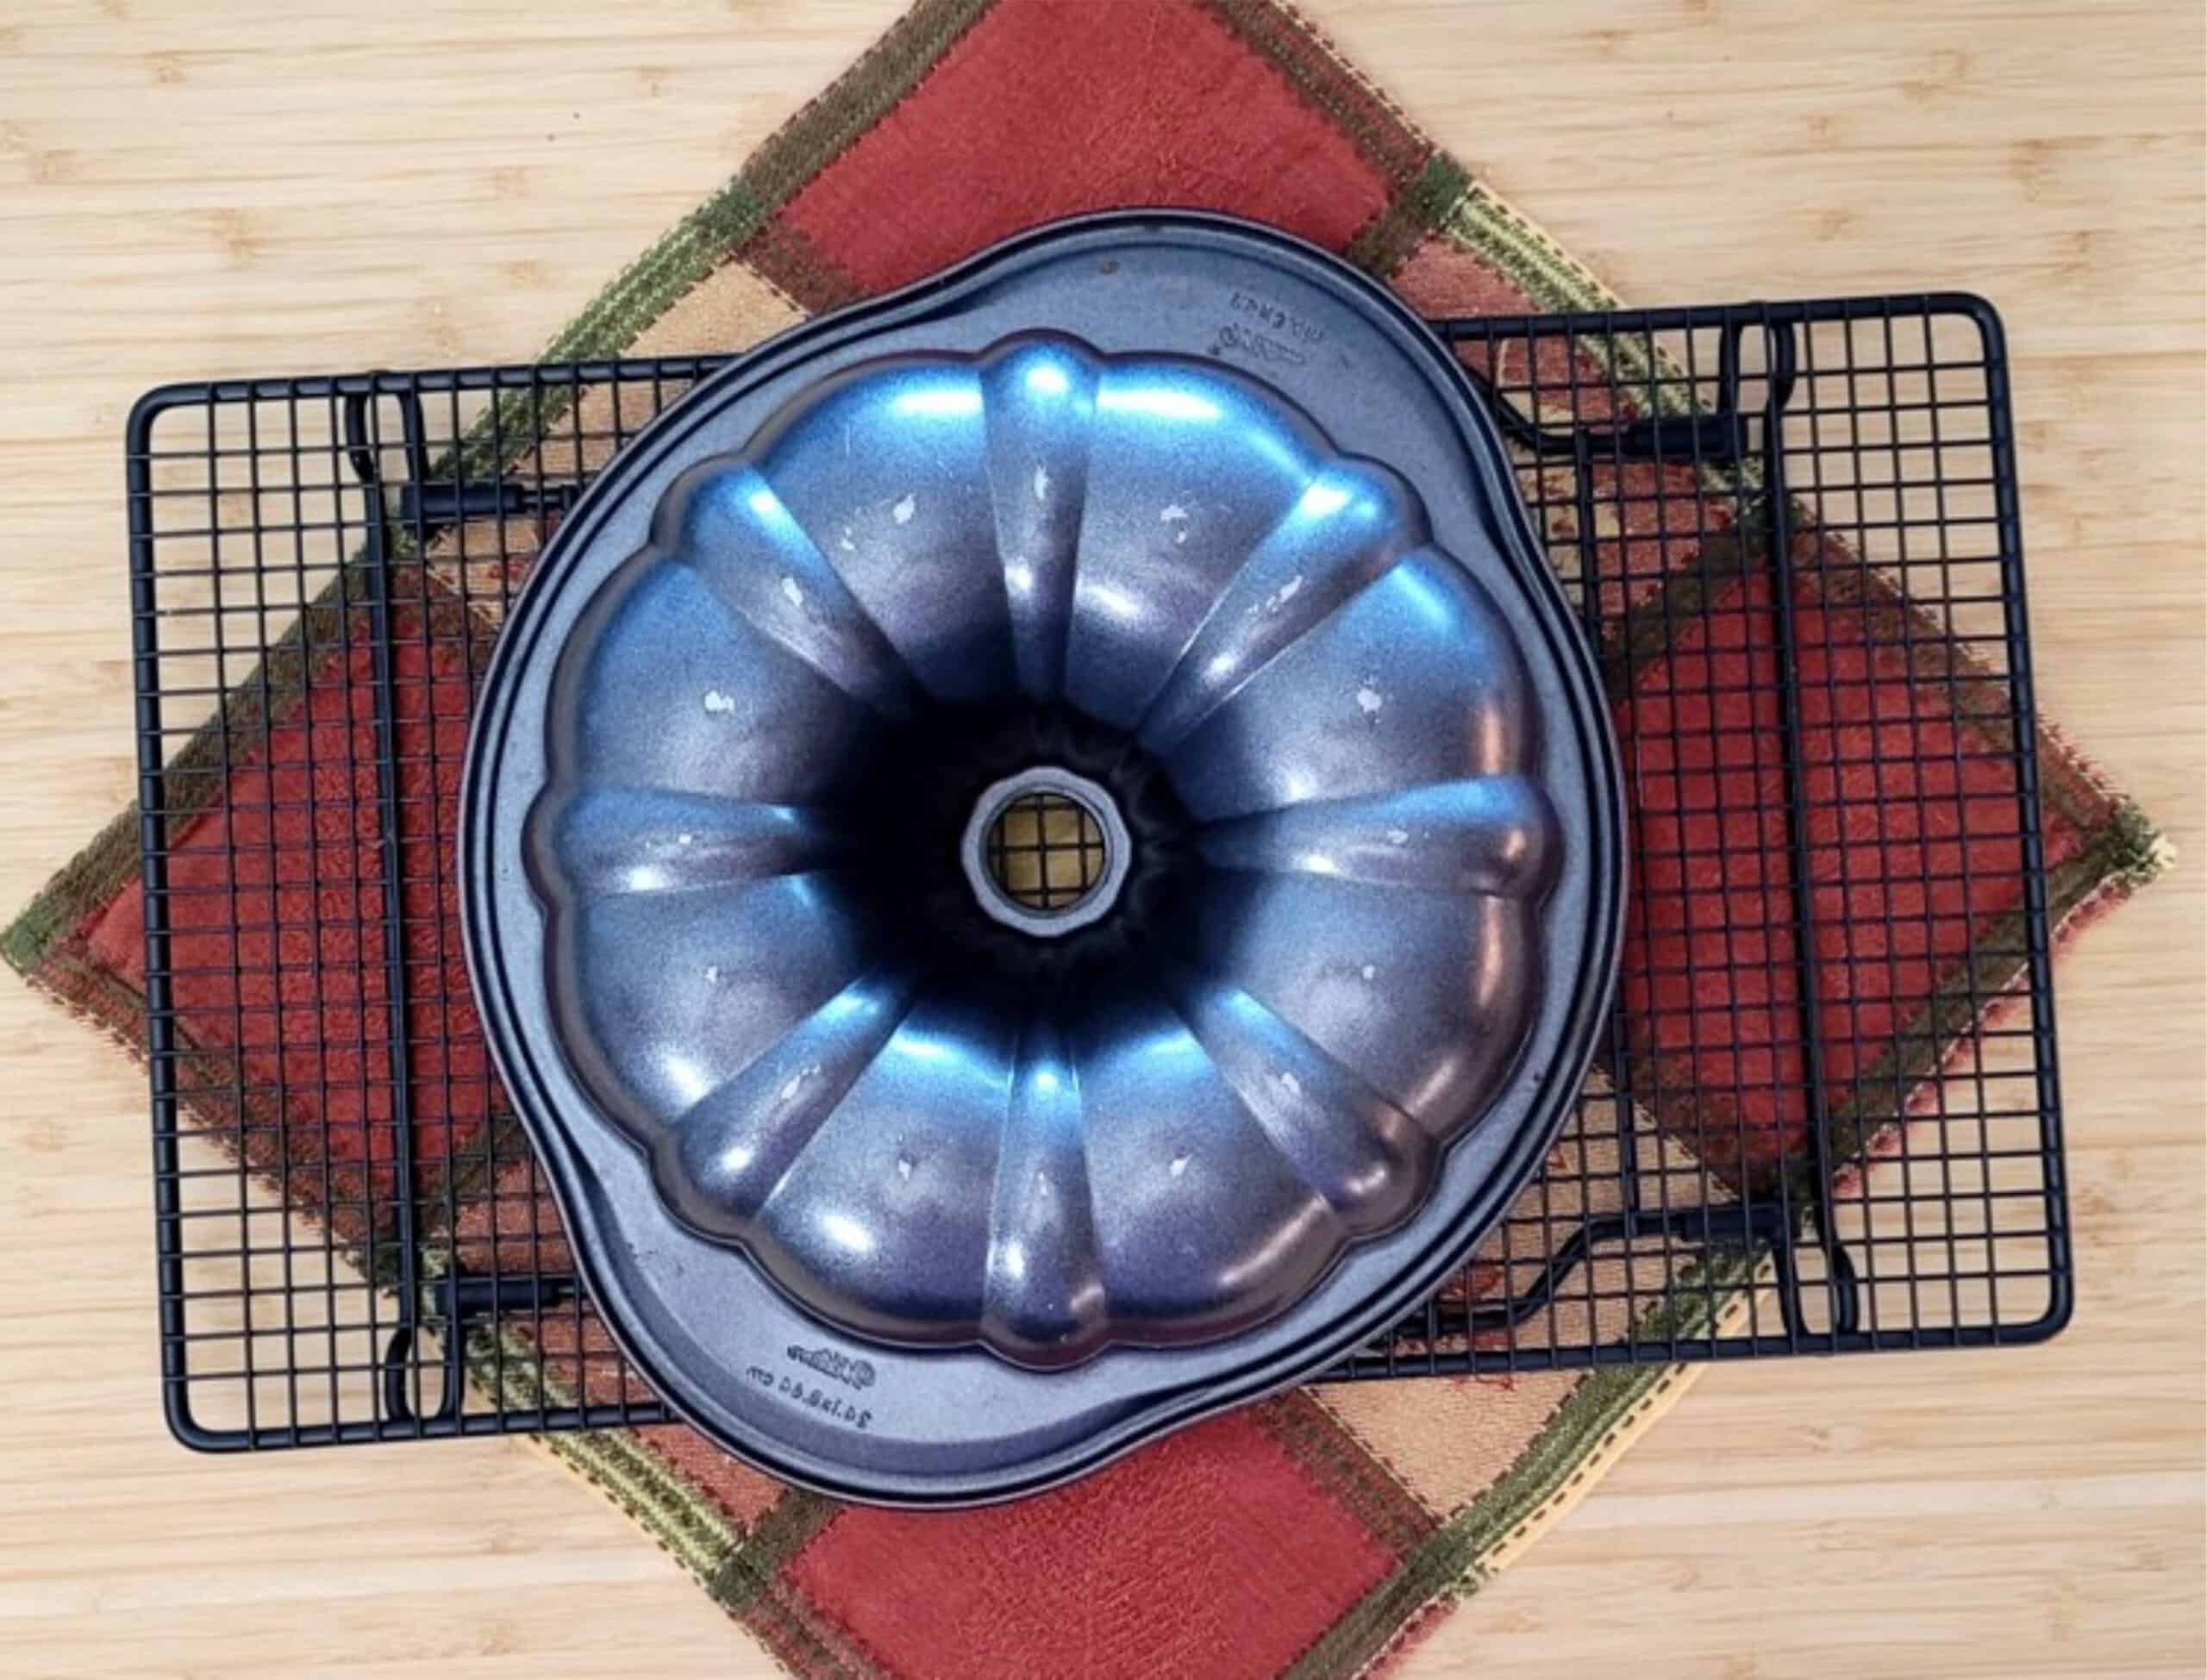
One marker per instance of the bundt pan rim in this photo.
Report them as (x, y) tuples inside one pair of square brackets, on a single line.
[(1571, 1003)]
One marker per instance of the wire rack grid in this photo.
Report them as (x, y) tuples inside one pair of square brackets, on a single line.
[(1824, 1115), (1046, 850)]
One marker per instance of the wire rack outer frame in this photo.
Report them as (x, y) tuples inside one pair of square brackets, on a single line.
[(366, 1250)]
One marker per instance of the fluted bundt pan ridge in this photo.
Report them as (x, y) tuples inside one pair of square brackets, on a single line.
[(1161, 532)]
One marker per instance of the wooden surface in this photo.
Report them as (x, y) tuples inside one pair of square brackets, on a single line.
[(192, 188)]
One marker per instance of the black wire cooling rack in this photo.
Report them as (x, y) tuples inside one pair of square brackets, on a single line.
[(1823, 1119)]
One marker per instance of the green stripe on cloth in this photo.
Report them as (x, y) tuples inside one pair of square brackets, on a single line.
[(782, 1532), (803, 145), (1485, 225), (796, 266), (2125, 852), (1381, 133), (859, 97), (691, 1529), (1428, 185), (739, 1569), (804, 1639), (1381, 244), (211, 1081), (192, 781), (1446, 1567), (1332, 1457)]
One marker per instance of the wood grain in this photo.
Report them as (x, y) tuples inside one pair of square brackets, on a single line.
[(199, 188)]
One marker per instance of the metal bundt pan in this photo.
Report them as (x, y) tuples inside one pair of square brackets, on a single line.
[(897, 1185)]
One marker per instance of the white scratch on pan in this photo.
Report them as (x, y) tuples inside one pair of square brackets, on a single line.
[(1041, 482), (1173, 514), (903, 1166), (792, 591), (1280, 597), (795, 1083), (1369, 700), (902, 512), (719, 704), (1398, 837), (1179, 1163), (844, 542), (1290, 1084), (684, 840), (712, 974), (1370, 971)]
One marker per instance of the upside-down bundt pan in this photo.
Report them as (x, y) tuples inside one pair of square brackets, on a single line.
[(893, 1182)]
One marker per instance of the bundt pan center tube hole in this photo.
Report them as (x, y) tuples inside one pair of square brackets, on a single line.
[(1043, 853)]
